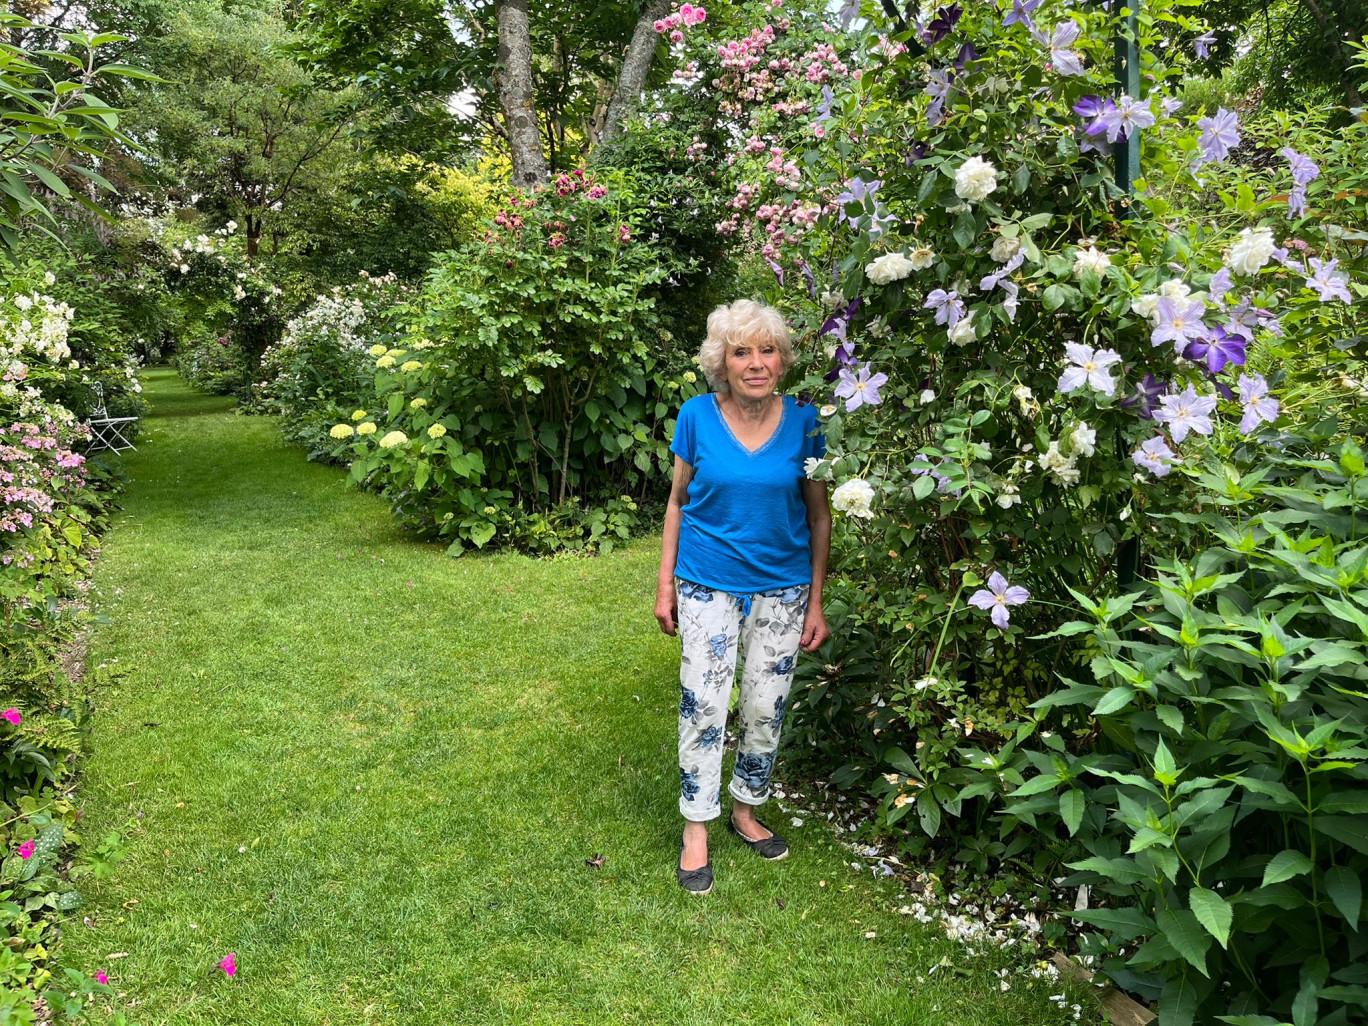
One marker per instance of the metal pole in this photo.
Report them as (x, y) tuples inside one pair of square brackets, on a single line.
[(1127, 153)]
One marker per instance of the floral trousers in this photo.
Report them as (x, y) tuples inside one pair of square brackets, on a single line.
[(713, 625)]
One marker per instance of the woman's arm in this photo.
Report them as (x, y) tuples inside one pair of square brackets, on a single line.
[(665, 611), (819, 524)]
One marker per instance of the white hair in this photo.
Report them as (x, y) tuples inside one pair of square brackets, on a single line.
[(744, 321)]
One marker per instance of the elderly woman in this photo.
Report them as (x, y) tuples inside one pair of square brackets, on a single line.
[(744, 558)]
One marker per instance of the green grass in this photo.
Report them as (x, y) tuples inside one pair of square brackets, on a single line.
[(375, 773)]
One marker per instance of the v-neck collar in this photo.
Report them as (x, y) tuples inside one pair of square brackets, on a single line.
[(783, 413)]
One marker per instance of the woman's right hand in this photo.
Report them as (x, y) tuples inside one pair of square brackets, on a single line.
[(666, 609)]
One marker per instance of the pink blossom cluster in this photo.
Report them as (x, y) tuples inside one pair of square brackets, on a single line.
[(696, 150), (39, 476), (746, 78), (823, 64), (687, 16), (785, 171)]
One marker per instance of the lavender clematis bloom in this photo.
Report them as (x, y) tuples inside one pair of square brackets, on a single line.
[(1180, 322), (1219, 348), (947, 305), (1120, 119), (1220, 284), (993, 280), (1186, 412), (1064, 60), (999, 596), (1200, 44), (1009, 305), (1246, 318), (1169, 106), (824, 108), (1155, 456), (1327, 283), (1020, 14), (1146, 397), (1259, 406), (778, 271), (1089, 367), (938, 88), (809, 278), (1304, 169), (1220, 133), (860, 389), (849, 13)]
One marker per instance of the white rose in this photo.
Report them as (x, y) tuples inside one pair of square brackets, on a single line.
[(927, 397), (975, 179), (831, 300), (1147, 305), (1008, 495), (963, 331), (1252, 250), (1083, 440), (922, 258), (853, 498), (888, 268), (811, 466), (828, 410), (1089, 259), (1004, 248), (184, 268), (1174, 288)]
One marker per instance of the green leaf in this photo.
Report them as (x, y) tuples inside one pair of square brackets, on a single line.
[(1212, 912), (1346, 891), (1165, 769), (1054, 297), (1071, 805), (923, 486), (1181, 929), (1353, 831), (930, 815), (1285, 865), (1171, 717), (1114, 700)]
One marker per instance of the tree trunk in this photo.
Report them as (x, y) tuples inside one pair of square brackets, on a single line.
[(516, 96), (636, 65)]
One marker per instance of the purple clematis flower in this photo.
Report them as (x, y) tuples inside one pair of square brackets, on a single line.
[(915, 152), (1217, 349), (967, 53), (999, 596), (1200, 44), (824, 108), (778, 271), (1179, 322), (947, 305), (1186, 412), (1259, 406), (1327, 283), (1020, 14), (944, 21), (938, 88), (1127, 115), (1091, 107), (860, 389), (1219, 285), (1155, 456), (844, 357), (809, 278), (1304, 172), (1146, 397), (1088, 366), (1220, 133)]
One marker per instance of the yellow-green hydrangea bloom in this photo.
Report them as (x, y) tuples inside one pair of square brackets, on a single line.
[(377, 350), (342, 431), (359, 415), (437, 431), (395, 352), (368, 428), (385, 361), (418, 403), (410, 365), (690, 377), (393, 440)]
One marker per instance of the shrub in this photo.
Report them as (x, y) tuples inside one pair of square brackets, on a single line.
[(1211, 783)]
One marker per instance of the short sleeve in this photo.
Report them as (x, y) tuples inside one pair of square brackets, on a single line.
[(814, 440), (685, 442)]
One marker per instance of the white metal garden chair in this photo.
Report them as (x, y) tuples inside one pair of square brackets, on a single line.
[(106, 432)]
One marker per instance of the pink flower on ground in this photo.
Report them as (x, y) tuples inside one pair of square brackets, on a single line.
[(229, 964), (13, 716), (26, 850), (101, 977)]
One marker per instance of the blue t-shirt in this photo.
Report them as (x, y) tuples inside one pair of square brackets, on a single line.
[(745, 529)]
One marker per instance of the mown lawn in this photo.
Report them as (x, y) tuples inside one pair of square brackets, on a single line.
[(375, 773)]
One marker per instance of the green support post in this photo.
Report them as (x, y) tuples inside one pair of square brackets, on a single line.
[(1127, 153)]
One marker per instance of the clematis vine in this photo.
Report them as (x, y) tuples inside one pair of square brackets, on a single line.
[(860, 389), (1220, 134), (1089, 367), (1304, 172), (1200, 44), (1155, 456), (1064, 60), (1020, 14), (999, 596), (1178, 321), (1145, 399)]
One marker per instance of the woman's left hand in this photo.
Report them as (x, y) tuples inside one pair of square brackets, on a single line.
[(814, 629)]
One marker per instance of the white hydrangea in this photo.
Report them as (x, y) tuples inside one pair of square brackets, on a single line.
[(1252, 250), (854, 498), (888, 268), (975, 179)]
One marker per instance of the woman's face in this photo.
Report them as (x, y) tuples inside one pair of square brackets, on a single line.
[(753, 368)]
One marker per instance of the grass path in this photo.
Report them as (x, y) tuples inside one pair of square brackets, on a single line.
[(375, 773)]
